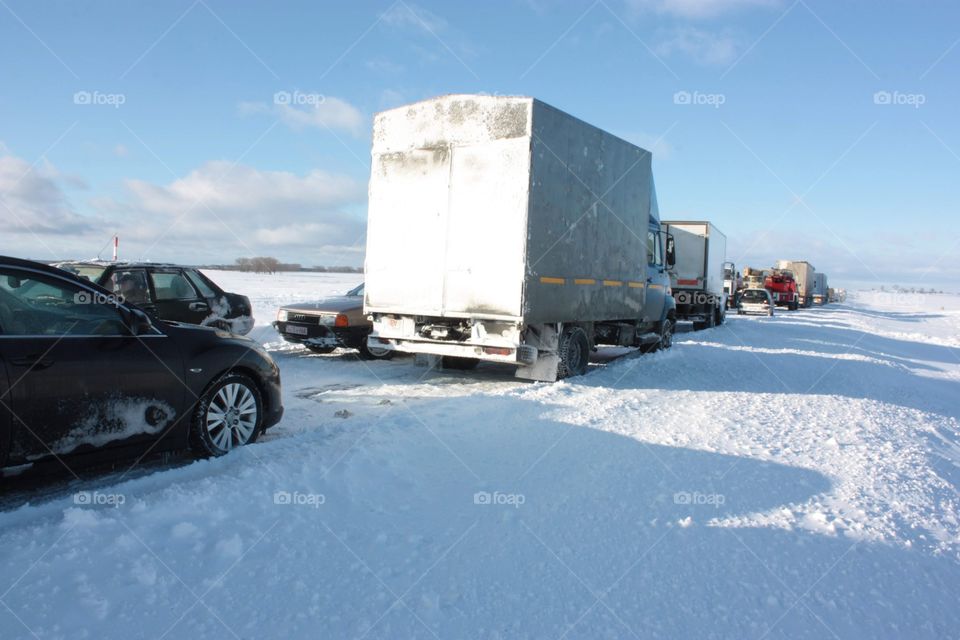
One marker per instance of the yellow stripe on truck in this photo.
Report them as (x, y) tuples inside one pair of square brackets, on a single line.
[(546, 280), (612, 283), (635, 285), (584, 281)]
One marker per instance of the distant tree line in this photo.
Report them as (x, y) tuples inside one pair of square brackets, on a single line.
[(269, 264), (264, 264)]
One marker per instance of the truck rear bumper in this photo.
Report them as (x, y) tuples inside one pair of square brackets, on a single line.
[(516, 354)]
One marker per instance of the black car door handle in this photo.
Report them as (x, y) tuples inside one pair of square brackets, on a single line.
[(198, 306), (35, 362)]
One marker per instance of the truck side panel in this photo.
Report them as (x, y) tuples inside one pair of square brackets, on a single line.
[(591, 197)]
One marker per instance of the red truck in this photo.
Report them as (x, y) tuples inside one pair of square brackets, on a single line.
[(783, 287)]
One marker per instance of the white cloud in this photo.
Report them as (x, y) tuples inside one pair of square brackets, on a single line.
[(702, 46), (211, 215), (32, 199), (314, 110), (405, 15), (121, 151), (697, 9)]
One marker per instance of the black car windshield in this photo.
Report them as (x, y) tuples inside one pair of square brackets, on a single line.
[(356, 291), (91, 272), (755, 296)]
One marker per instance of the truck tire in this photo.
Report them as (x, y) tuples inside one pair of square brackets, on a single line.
[(366, 353), (666, 333), (460, 364), (574, 352)]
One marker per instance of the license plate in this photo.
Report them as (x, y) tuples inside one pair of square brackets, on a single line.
[(297, 331)]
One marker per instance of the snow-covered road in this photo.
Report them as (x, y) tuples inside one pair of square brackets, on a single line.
[(786, 477)]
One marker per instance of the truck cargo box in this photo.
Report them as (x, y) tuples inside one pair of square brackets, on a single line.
[(701, 251), (803, 274), (505, 207)]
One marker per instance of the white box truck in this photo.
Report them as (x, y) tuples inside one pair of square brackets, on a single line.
[(803, 275), (503, 229), (697, 278)]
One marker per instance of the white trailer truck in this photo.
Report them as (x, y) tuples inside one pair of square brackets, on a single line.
[(697, 278), (803, 274), (502, 229), (821, 294)]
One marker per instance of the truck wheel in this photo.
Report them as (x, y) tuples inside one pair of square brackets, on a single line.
[(666, 333), (574, 351), (460, 364), (375, 353)]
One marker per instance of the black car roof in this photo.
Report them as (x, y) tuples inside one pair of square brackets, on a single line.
[(47, 268), (124, 264)]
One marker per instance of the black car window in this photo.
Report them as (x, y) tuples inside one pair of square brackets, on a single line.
[(130, 284), (200, 284), (32, 305), (172, 285)]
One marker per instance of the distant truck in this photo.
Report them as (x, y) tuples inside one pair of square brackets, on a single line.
[(783, 288), (505, 230), (732, 283), (697, 278), (753, 278), (821, 293), (803, 273)]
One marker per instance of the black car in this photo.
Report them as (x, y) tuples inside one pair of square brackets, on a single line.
[(81, 371), (170, 292)]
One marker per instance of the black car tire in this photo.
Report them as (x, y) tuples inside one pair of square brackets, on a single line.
[(229, 415), (574, 352), (321, 349), (374, 354), (459, 364)]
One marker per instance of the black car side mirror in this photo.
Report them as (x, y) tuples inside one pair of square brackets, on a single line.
[(137, 321), (671, 251)]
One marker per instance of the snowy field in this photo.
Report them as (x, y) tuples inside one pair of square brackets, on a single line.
[(793, 476)]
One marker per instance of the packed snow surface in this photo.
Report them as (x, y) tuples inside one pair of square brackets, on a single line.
[(793, 476)]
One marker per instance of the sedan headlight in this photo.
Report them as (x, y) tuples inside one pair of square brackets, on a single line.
[(328, 320), (282, 315)]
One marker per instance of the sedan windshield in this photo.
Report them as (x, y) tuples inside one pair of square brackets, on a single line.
[(754, 296), (356, 291)]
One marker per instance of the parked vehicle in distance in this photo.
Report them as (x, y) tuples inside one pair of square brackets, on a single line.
[(803, 274), (821, 293), (333, 322), (83, 372), (755, 301), (170, 292), (697, 277), (492, 266), (732, 283), (783, 287)]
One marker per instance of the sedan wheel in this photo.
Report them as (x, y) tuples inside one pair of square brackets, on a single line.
[(229, 415)]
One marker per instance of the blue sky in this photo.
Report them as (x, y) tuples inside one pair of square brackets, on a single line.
[(158, 120)]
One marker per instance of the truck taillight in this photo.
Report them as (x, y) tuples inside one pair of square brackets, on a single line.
[(341, 321), (497, 351)]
